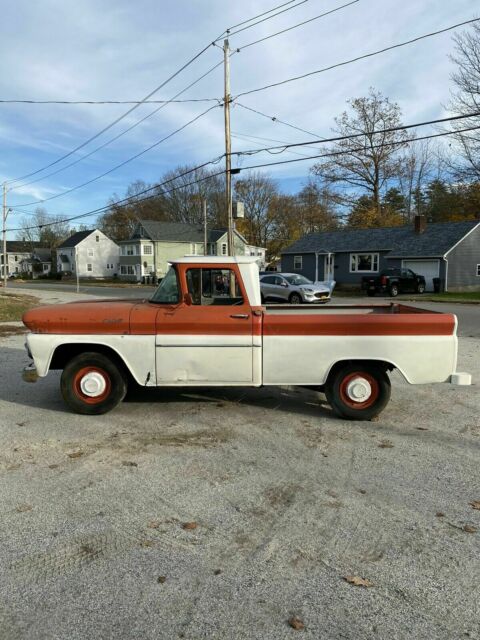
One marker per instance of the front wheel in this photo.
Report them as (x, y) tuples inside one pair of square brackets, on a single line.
[(420, 287), (92, 384), (358, 391), (370, 293), (394, 290), (295, 298)]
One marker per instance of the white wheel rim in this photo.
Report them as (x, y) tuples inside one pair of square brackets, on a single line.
[(93, 384), (359, 389)]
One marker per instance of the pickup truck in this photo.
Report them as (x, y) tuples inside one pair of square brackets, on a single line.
[(205, 326), (393, 282)]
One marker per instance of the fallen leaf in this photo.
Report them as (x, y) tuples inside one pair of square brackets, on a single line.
[(128, 463), (469, 529), (386, 444), (153, 524), (475, 504), (147, 543), (421, 428), (362, 491), (161, 579), (217, 572), (358, 582), (189, 525), (13, 467), (439, 514), (296, 623), (22, 508), (21, 424), (75, 454)]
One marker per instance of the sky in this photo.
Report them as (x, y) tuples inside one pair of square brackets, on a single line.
[(120, 50)]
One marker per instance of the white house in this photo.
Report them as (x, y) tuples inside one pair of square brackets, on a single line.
[(90, 252), (17, 252)]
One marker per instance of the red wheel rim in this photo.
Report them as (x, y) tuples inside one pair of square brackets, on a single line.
[(93, 375), (348, 383)]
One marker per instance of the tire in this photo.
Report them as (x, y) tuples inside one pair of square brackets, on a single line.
[(420, 287), (370, 294), (394, 290), (295, 298), (108, 384), (262, 298), (340, 391)]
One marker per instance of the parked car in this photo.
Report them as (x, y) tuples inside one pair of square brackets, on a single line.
[(193, 333), (393, 282), (293, 288)]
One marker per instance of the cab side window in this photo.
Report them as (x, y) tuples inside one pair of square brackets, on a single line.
[(213, 287)]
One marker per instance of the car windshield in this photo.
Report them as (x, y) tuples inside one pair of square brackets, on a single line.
[(297, 280), (167, 291)]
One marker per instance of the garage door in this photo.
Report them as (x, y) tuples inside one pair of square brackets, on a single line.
[(428, 268)]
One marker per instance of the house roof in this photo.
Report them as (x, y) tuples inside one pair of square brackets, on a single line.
[(435, 241), (180, 232), (22, 247), (43, 254), (76, 238)]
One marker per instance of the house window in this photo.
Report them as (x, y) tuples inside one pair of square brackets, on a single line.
[(129, 249), (363, 262), (45, 267), (224, 249), (147, 249), (89, 267), (90, 253), (16, 258), (97, 238), (297, 262), (127, 270), (478, 269)]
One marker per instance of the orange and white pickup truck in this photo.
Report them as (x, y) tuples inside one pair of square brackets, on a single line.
[(205, 325)]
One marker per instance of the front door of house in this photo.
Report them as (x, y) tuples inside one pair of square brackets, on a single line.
[(329, 266)]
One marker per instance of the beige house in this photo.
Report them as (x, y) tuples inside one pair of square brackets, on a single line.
[(152, 244)]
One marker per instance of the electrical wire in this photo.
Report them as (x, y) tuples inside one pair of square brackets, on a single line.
[(128, 160), (239, 136), (260, 15), (102, 102), (122, 133), (275, 119), (362, 57), (295, 26), (230, 33), (360, 149), (135, 198), (403, 127)]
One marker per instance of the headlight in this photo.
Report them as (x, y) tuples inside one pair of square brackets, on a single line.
[(308, 290)]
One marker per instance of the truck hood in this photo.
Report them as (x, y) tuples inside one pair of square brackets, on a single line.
[(99, 316)]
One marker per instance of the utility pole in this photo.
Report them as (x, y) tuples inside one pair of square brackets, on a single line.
[(205, 247), (228, 147), (4, 229)]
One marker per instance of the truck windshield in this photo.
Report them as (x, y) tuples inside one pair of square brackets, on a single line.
[(167, 291), (297, 280)]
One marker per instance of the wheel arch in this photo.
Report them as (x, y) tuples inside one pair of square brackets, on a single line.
[(386, 365), (63, 353)]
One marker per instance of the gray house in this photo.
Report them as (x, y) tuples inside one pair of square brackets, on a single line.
[(90, 253), (449, 251)]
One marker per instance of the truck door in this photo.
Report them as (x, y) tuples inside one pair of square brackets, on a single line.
[(207, 338)]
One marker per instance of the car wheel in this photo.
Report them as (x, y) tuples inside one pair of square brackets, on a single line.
[(295, 298), (262, 298), (420, 287), (394, 290), (370, 294), (92, 384), (358, 391)]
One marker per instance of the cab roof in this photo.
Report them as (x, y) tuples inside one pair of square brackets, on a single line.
[(214, 260)]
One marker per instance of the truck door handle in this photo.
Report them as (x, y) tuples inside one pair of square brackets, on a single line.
[(240, 316)]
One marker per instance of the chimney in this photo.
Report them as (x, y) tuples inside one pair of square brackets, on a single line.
[(420, 224)]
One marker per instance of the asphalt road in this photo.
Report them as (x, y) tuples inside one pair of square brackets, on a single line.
[(287, 501), (138, 291)]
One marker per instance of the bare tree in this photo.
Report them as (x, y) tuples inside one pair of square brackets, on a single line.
[(466, 100), (423, 161), (370, 161), (48, 230), (258, 191)]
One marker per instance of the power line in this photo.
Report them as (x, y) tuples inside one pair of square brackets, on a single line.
[(352, 136), (152, 146), (230, 33), (117, 120), (102, 102), (239, 24), (295, 26), (359, 149), (122, 133), (246, 137), (275, 119), (135, 198), (362, 57)]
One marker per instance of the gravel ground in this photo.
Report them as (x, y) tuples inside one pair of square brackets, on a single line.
[(287, 499)]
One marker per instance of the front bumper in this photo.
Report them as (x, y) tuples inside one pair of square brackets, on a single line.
[(461, 379), (29, 373)]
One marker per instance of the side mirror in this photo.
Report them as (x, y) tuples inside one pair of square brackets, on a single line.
[(284, 284), (187, 298)]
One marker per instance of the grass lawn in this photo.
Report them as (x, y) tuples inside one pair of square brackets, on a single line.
[(12, 306), (465, 296)]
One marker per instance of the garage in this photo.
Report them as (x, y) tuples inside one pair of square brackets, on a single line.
[(428, 268)]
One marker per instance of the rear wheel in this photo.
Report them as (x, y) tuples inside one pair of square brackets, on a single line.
[(92, 384), (394, 290), (420, 287), (358, 391), (295, 298), (370, 293)]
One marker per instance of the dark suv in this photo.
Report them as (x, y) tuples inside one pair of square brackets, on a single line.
[(393, 282)]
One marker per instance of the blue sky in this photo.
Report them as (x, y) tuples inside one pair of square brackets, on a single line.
[(119, 50)]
